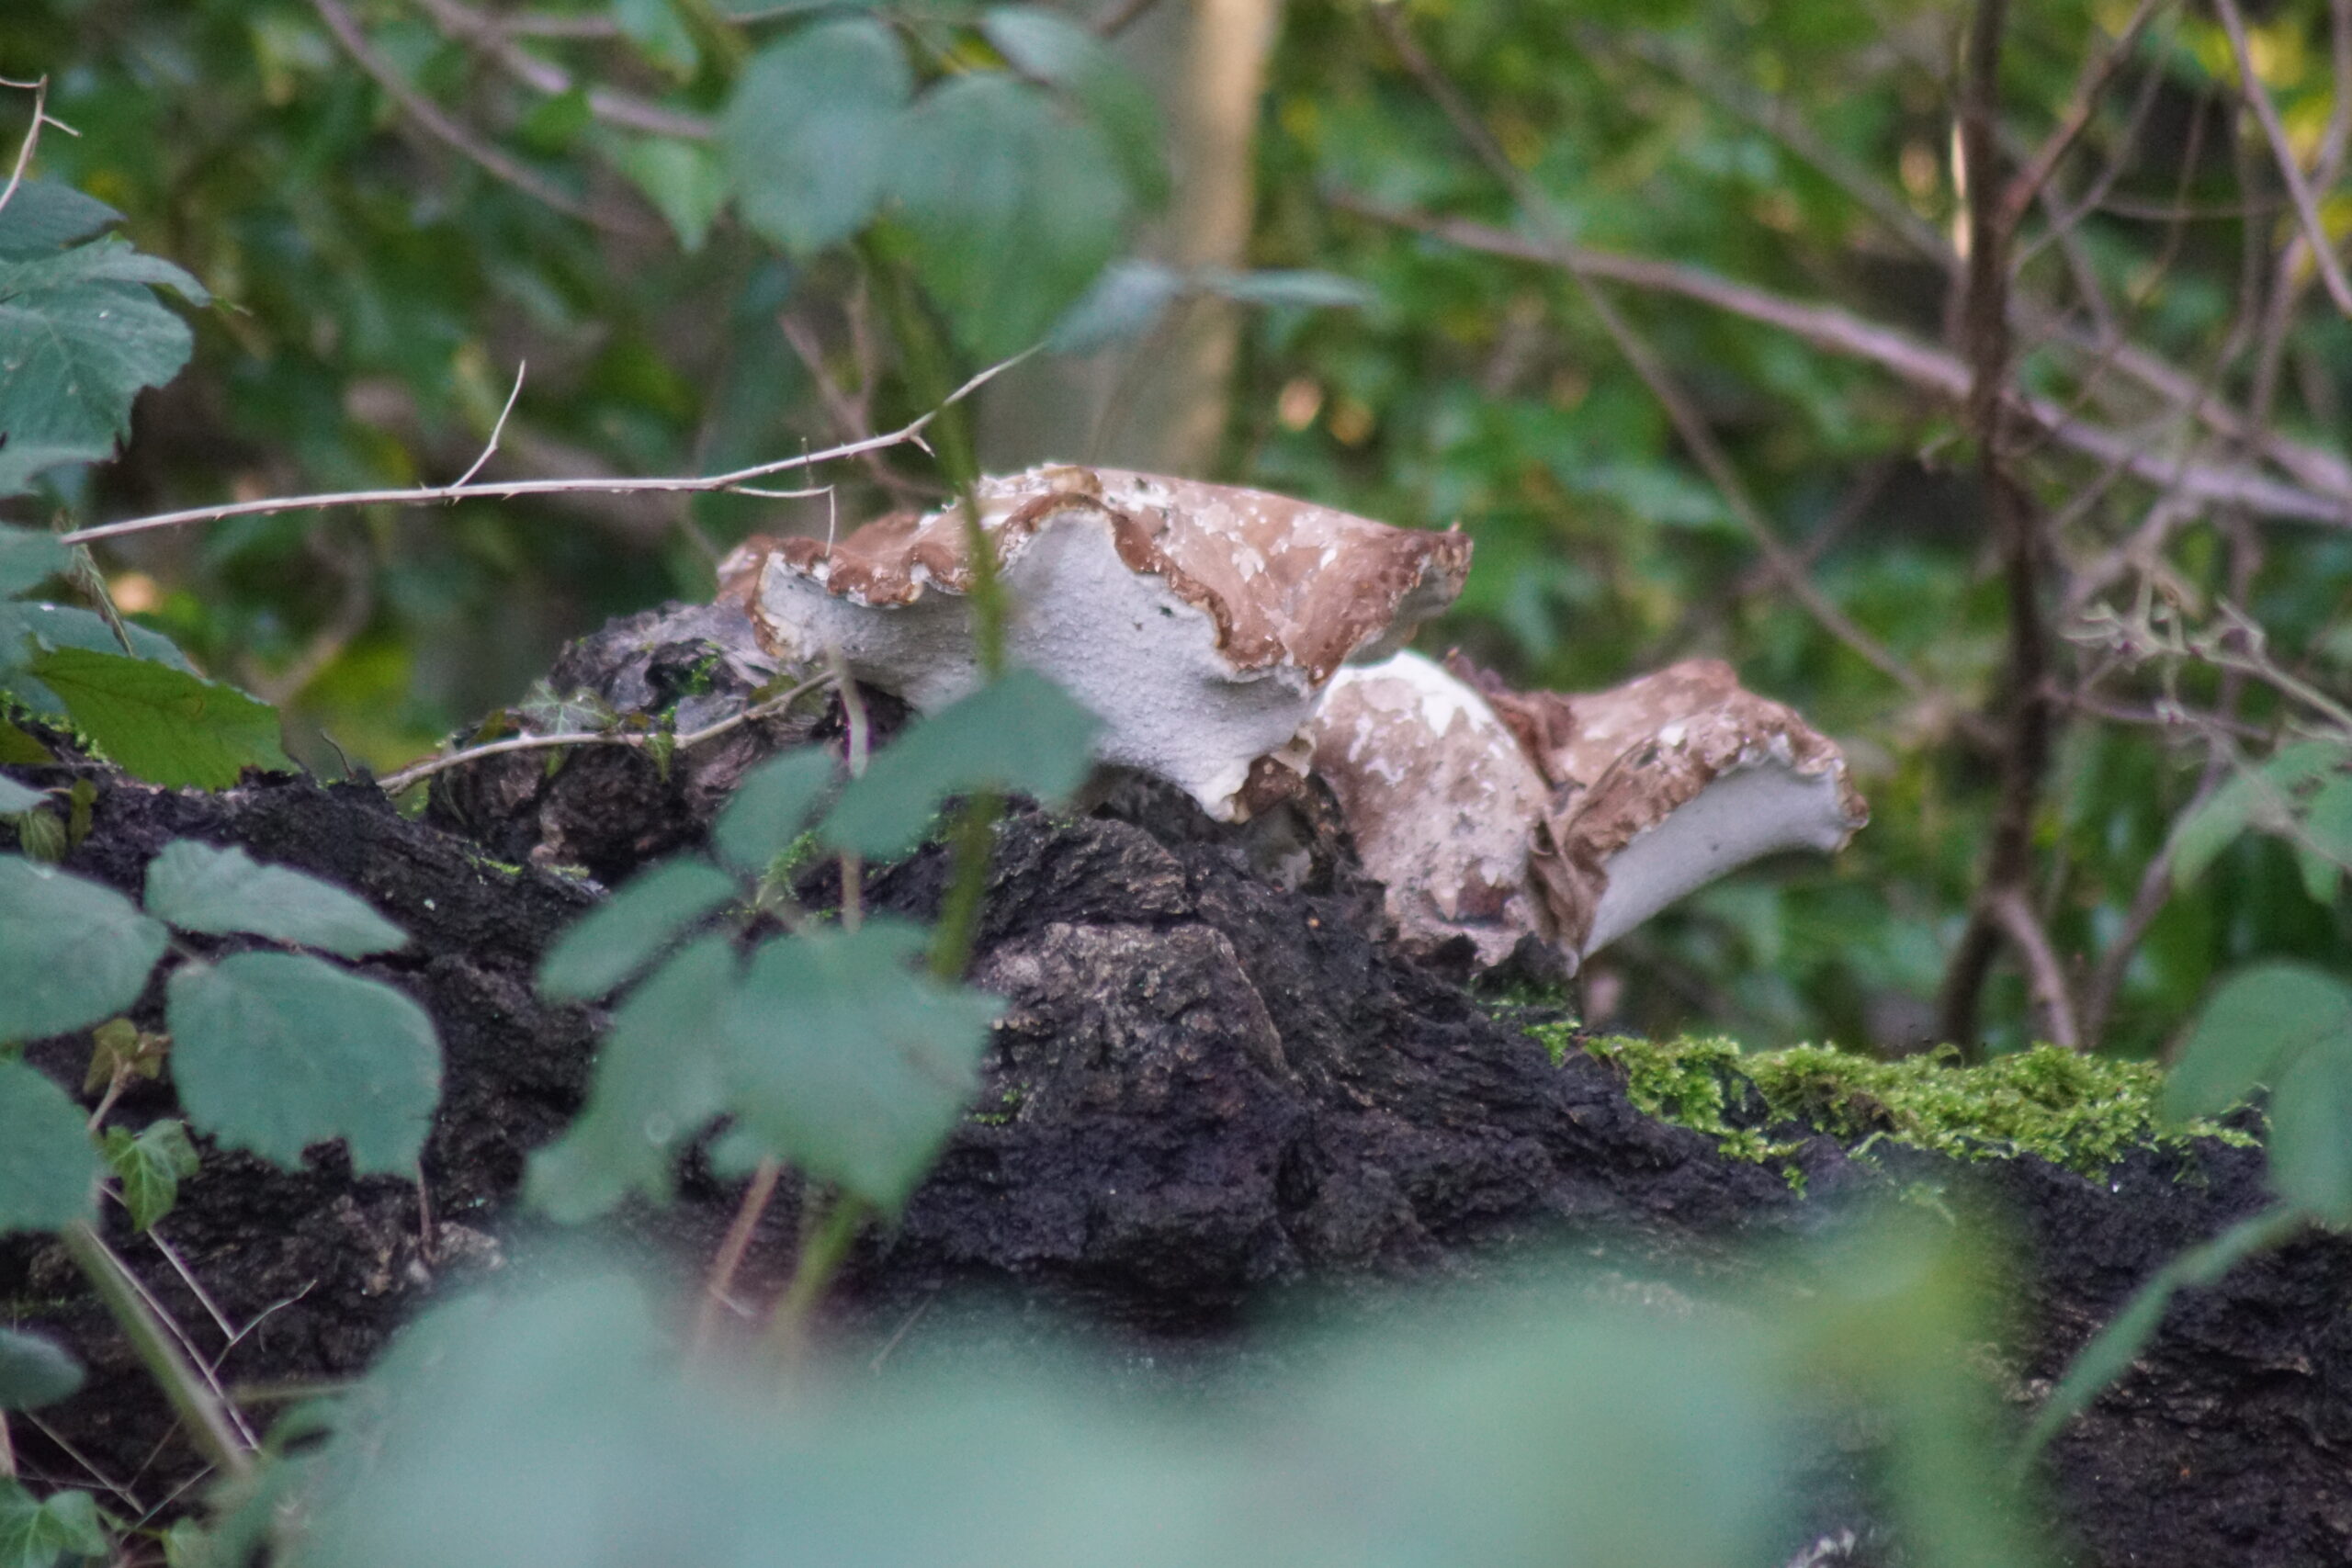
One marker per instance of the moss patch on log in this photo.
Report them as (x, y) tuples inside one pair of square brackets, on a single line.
[(2082, 1113)]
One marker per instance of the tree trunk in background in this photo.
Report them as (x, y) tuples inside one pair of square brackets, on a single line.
[(1159, 403)]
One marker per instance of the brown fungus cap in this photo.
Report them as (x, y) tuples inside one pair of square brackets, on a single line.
[(1199, 622), (1666, 783)]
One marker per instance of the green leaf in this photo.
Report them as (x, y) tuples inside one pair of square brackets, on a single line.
[(606, 948), (163, 725), (34, 1372), (657, 1082), (808, 134), (16, 798), (28, 627), (2213, 828), (2310, 1131), (119, 1046), (1126, 301), (2327, 828), (1012, 206), (150, 1167), (80, 334), (48, 1166), (1306, 290), (70, 952), (655, 26), (34, 1533), (20, 747), (1048, 47), (845, 1061), (28, 558), (274, 1052), (1021, 733), (199, 888), (2257, 1023), (686, 181), (771, 808), (44, 216)]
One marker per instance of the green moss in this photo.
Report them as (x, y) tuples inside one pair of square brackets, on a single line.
[(2084, 1112)]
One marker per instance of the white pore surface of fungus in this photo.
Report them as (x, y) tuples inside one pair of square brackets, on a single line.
[(1439, 799), (1199, 622)]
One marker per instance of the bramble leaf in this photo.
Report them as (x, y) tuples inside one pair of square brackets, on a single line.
[(70, 952), (163, 725), (274, 1052), (845, 1061), (34, 1372), (771, 808), (1012, 208), (808, 132), (686, 181), (28, 558), (46, 216), (1020, 733), (1048, 45), (608, 946), (199, 888), (2311, 1130), (48, 1167), (657, 1082), (80, 334)]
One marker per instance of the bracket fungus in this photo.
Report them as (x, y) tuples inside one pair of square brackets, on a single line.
[(1200, 622), (1602, 808)]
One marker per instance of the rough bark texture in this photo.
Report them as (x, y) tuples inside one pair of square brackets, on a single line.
[(1212, 1086)]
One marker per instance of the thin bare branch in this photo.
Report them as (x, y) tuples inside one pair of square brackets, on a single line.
[(2048, 976), (508, 489), (495, 36), (1922, 365), (38, 87), (418, 772), (430, 117), (521, 368), (2290, 168), (2098, 72)]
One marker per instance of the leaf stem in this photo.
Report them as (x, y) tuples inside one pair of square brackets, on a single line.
[(207, 1423), (820, 1259)]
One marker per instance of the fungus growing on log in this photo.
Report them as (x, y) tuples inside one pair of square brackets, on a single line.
[(1642, 793), (1200, 622)]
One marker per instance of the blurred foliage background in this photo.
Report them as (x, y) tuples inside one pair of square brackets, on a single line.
[(1316, 247)]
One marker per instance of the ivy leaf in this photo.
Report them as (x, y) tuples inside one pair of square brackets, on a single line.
[(46, 1163), (2260, 1021), (70, 952), (199, 888), (274, 1052), (808, 134), (1048, 47), (608, 946), (28, 558), (81, 332), (120, 1046), (163, 725), (1019, 733), (657, 1081), (845, 1061), (150, 1167), (34, 1372), (35, 1532), (45, 216), (1011, 206), (771, 808), (686, 181)]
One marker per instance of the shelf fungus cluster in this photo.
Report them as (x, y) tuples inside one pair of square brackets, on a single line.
[(1498, 815), (1230, 639)]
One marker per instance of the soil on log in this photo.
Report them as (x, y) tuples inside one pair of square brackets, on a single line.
[(1216, 1083)]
